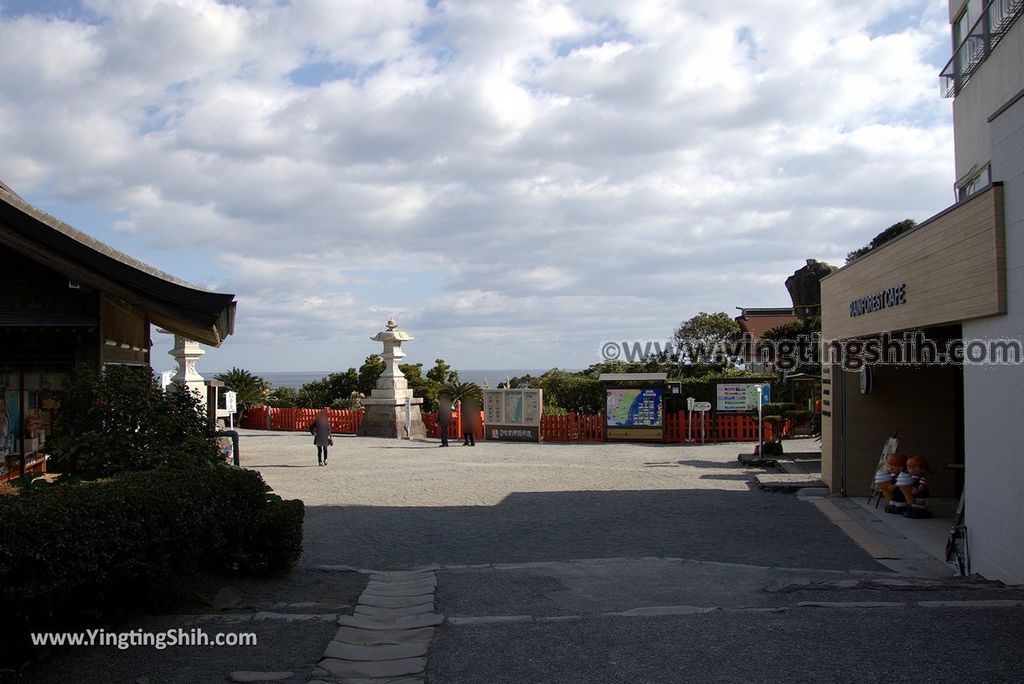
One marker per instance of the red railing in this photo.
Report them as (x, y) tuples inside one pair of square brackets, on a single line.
[(569, 427), (343, 421), (572, 427), (454, 427), (720, 427)]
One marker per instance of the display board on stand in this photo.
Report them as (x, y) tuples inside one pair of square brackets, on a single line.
[(513, 415), (634, 406)]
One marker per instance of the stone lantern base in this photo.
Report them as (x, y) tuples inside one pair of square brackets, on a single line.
[(385, 418)]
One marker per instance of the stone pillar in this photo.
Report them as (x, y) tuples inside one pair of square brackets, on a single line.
[(385, 407), (187, 352)]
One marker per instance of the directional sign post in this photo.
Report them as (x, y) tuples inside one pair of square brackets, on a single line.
[(702, 407), (760, 421), (689, 422), (231, 405)]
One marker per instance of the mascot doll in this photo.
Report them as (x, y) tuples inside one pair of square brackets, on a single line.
[(885, 482), (913, 485)]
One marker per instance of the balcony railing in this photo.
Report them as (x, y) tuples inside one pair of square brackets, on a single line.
[(994, 23)]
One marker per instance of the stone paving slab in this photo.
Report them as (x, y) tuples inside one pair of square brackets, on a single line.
[(402, 591), (386, 668), (402, 581), (336, 649), (374, 637), (377, 611), (401, 575), (417, 582), (395, 601), (389, 623)]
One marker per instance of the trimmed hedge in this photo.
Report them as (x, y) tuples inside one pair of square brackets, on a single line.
[(75, 553)]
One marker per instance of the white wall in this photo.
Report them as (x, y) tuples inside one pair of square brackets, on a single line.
[(998, 79), (994, 395)]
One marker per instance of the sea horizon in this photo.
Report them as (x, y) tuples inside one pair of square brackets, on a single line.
[(296, 379)]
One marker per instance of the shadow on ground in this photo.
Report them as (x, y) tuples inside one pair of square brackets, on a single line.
[(756, 527)]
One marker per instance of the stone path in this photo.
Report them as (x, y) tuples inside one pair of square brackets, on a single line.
[(386, 640)]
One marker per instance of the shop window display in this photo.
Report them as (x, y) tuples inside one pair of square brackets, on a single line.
[(30, 400)]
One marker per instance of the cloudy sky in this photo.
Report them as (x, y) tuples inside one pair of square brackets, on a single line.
[(515, 181)]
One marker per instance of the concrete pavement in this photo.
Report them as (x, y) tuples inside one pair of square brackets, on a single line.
[(583, 563)]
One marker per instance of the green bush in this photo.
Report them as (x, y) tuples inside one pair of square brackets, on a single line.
[(119, 420), (72, 554), (573, 392)]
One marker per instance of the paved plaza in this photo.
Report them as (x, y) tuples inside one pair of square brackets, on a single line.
[(568, 563)]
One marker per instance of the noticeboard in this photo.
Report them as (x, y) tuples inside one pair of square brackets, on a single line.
[(513, 414), (738, 397), (635, 413)]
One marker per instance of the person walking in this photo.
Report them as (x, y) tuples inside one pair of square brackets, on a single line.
[(470, 420), (320, 428), (444, 417)]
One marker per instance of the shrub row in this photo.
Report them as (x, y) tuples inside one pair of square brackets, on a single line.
[(72, 554)]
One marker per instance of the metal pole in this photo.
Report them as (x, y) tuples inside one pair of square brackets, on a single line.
[(760, 423), (408, 418)]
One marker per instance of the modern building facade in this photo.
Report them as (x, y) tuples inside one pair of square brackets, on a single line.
[(943, 307)]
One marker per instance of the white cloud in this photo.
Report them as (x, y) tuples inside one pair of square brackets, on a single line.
[(542, 174)]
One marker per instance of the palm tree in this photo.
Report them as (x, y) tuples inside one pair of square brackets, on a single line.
[(462, 391), (251, 389)]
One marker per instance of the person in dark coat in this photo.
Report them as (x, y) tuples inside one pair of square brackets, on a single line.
[(444, 417), (320, 428), (470, 421)]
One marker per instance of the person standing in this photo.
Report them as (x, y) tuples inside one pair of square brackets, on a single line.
[(470, 420), (444, 418), (320, 428)]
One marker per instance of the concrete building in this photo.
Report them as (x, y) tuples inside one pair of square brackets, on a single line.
[(954, 286)]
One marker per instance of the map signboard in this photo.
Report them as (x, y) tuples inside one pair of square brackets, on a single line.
[(634, 413), (634, 407), (513, 414)]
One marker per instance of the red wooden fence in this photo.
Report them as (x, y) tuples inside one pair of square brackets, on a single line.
[(343, 421), (570, 427)]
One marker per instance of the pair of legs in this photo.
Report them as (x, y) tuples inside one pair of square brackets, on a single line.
[(467, 439), (321, 455), (443, 430)]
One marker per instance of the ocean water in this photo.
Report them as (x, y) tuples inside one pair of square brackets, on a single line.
[(492, 377)]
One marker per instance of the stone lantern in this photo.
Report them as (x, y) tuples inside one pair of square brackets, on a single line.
[(391, 408)]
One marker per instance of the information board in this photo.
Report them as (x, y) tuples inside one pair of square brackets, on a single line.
[(741, 396), (634, 408), (513, 414)]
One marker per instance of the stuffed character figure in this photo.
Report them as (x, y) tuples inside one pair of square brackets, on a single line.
[(913, 484), (885, 482)]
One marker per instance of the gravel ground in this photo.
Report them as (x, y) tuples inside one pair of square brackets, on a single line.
[(395, 504)]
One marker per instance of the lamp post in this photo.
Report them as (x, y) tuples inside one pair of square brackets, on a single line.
[(760, 423)]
